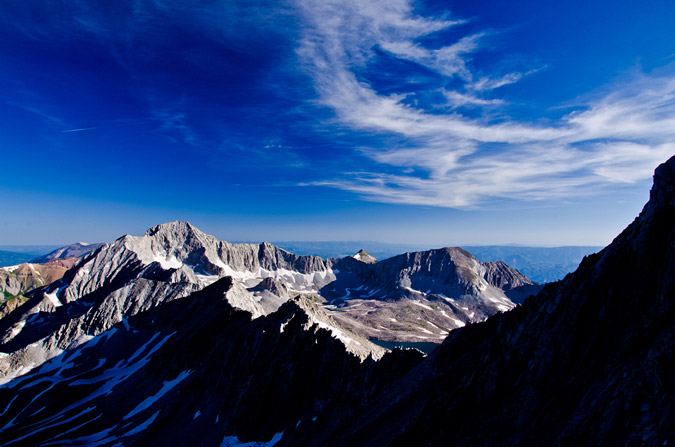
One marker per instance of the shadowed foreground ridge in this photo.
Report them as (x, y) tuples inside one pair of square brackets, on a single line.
[(190, 372), (588, 361)]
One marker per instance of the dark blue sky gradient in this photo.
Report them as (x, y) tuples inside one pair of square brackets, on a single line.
[(120, 115)]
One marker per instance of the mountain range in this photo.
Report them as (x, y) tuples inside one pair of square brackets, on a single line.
[(413, 297), (540, 264), (176, 338)]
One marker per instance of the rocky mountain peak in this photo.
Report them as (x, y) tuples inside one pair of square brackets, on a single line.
[(663, 191), (662, 194), (364, 256), (175, 227)]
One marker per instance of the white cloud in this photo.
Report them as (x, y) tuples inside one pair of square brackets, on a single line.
[(618, 137), (626, 162), (643, 108), (488, 83), (458, 99)]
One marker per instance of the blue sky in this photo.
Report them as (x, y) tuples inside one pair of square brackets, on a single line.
[(439, 123)]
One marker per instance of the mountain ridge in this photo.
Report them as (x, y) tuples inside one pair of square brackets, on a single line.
[(413, 297), (586, 361)]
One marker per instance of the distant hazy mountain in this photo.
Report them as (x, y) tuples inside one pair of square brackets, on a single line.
[(541, 264), (364, 256), (76, 250)]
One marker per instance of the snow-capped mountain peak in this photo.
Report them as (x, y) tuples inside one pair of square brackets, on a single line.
[(364, 256)]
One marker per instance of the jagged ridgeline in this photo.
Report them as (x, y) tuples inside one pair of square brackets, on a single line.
[(176, 338), (414, 297)]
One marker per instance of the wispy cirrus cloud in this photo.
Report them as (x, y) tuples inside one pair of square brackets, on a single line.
[(459, 99), (81, 129), (47, 116), (488, 83), (618, 136)]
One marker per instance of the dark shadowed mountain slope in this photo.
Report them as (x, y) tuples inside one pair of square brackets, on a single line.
[(588, 361), (192, 372)]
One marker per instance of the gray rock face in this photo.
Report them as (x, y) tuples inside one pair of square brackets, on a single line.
[(421, 296)]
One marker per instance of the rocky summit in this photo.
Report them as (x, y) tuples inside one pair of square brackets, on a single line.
[(177, 338)]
